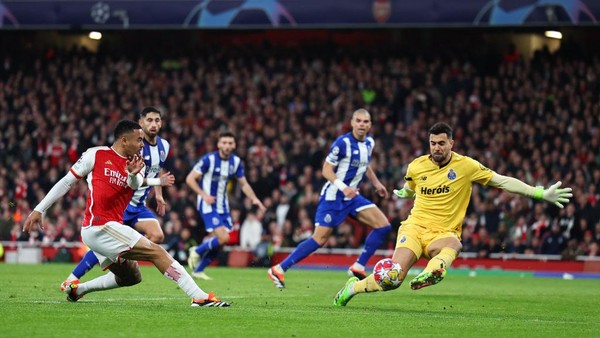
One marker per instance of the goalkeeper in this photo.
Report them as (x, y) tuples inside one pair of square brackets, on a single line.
[(441, 184)]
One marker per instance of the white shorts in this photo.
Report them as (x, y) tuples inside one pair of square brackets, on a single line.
[(109, 241)]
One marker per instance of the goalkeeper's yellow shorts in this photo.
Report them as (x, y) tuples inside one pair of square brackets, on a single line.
[(418, 238)]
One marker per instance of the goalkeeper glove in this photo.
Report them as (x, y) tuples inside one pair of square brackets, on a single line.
[(553, 194), (404, 193)]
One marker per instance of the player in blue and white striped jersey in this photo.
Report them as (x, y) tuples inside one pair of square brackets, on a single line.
[(137, 215), (208, 179), (154, 153), (345, 167)]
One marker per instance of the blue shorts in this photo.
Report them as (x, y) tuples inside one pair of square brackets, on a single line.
[(213, 220), (132, 215), (329, 214)]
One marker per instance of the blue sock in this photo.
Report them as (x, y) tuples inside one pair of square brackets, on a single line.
[(207, 259), (212, 243), (373, 242), (86, 264), (302, 251)]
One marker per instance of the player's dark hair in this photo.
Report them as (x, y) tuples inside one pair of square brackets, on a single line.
[(125, 127), (227, 134), (441, 128), (148, 110)]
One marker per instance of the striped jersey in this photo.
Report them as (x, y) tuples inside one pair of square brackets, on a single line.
[(351, 158), (154, 159), (216, 173), (108, 193)]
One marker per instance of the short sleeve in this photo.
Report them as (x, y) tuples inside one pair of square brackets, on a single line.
[(85, 164), (202, 165), (409, 176), (479, 173), (239, 173), (336, 152)]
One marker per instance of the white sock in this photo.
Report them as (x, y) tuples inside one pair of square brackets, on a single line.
[(278, 268), (358, 266), (177, 273), (105, 282), (71, 278)]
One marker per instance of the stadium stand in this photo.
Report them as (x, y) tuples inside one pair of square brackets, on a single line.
[(535, 119)]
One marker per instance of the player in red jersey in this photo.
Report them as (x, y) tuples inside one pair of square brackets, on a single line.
[(112, 174)]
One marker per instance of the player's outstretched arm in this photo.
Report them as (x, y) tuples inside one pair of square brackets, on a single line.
[(58, 190), (554, 194)]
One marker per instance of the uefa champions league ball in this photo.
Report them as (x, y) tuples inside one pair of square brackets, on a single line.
[(387, 274)]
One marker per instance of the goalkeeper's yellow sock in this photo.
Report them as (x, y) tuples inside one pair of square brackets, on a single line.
[(442, 260), (367, 285)]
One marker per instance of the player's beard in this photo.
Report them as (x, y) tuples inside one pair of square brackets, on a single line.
[(225, 154), (439, 158)]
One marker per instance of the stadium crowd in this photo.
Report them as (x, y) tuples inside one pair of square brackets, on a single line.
[(537, 120)]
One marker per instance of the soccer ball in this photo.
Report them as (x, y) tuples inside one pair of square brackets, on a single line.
[(387, 274)]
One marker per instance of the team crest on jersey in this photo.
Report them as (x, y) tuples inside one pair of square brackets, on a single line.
[(328, 218), (215, 221), (451, 174), (335, 150), (403, 239), (163, 156)]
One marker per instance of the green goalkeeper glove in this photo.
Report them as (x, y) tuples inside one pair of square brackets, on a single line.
[(553, 194), (404, 193)]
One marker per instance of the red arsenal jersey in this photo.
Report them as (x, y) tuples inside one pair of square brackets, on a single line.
[(108, 192)]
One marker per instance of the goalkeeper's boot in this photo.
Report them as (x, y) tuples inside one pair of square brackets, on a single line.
[(64, 285), (427, 278), (211, 301), (201, 275), (193, 258), (71, 291), (344, 295), (276, 277), (360, 274)]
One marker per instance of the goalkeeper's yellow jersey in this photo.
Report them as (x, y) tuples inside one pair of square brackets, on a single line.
[(442, 193)]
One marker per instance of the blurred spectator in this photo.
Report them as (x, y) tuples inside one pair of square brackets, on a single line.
[(572, 250), (251, 230), (553, 243)]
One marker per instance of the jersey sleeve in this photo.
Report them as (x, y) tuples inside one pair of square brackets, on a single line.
[(479, 173), (202, 165), (239, 173), (409, 177), (85, 164), (372, 143), (167, 148), (336, 152)]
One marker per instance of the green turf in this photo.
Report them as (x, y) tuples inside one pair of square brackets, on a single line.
[(460, 306)]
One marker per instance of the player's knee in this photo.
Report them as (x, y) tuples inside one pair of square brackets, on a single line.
[(136, 277), (223, 238), (132, 278), (156, 237)]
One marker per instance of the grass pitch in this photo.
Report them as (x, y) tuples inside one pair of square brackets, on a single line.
[(460, 306)]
